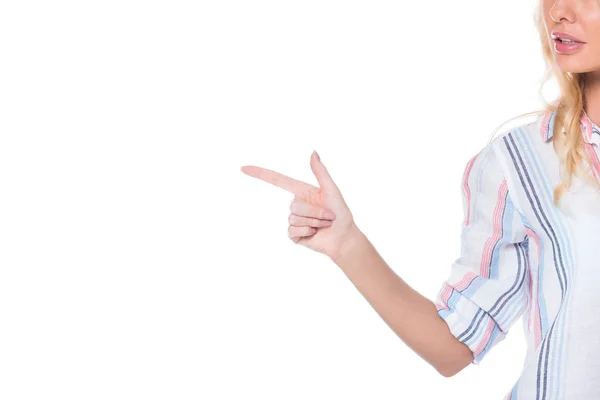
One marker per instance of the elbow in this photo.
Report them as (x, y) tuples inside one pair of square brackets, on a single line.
[(448, 370)]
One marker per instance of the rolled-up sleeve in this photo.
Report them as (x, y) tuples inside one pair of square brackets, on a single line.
[(486, 291)]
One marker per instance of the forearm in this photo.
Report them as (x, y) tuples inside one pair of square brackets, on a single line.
[(410, 315)]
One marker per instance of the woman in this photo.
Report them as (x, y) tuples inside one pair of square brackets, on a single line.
[(531, 219)]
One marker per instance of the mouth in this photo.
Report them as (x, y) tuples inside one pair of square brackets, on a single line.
[(564, 37), (567, 47), (567, 41)]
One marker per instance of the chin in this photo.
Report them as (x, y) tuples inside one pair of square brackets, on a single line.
[(572, 66)]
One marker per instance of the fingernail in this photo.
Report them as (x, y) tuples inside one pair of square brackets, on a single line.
[(318, 158), (328, 215)]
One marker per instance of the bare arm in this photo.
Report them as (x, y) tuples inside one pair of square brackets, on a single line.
[(411, 316)]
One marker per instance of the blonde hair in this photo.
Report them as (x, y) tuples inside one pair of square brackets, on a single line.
[(567, 139)]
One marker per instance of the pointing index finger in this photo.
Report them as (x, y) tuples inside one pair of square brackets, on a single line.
[(299, 188)]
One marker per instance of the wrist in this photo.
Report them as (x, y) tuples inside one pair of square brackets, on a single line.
[(354, 241)]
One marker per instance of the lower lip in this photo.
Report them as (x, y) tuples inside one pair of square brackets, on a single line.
[(567, 48)]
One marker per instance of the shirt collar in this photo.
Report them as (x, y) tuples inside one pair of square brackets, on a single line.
[(589, 130)]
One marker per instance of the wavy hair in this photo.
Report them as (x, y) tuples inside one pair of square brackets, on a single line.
[(567, 139)]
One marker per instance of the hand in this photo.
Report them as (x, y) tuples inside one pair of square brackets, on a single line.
[(309, 224)]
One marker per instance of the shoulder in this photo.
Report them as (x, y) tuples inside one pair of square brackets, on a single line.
[(523, 141), (522, 154), (530, 131), (504, 157)]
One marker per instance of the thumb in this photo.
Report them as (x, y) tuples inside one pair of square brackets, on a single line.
[(323, 177)]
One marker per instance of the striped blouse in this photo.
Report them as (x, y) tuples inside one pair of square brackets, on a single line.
[(522, 256)]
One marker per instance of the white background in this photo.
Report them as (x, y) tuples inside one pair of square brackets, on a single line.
[(138, 262)]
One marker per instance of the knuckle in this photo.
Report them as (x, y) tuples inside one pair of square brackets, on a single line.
[(315, 196), (291, 219)]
